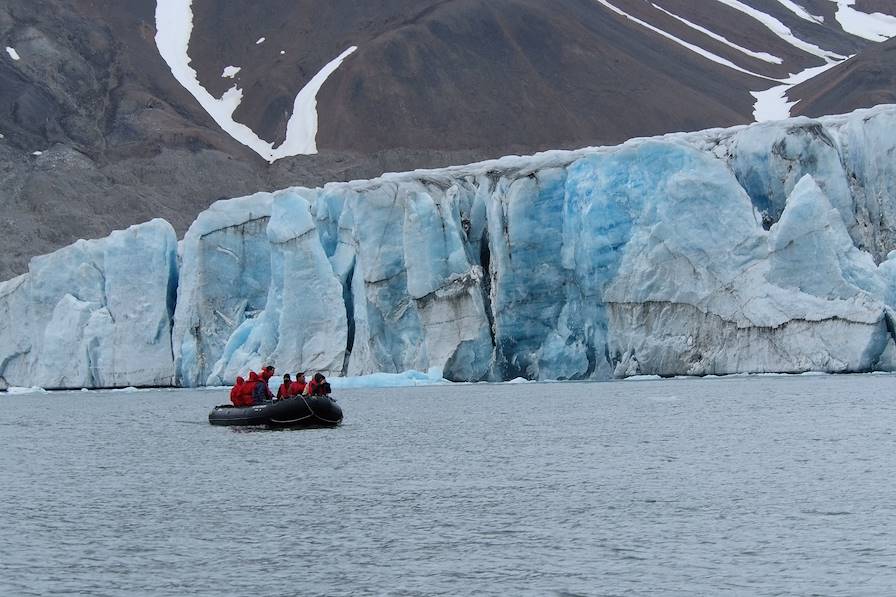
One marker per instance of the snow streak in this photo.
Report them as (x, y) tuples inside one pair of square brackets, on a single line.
[(174, 26), (696, 49), (800, 11), (782, 31), (760, 55)]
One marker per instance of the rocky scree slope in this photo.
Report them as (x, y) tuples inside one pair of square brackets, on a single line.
[(97, 133)]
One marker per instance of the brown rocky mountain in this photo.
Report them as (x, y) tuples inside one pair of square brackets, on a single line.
[(99, 133), (864, 80)]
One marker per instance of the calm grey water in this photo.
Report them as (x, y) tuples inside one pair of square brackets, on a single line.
[(736, 486)]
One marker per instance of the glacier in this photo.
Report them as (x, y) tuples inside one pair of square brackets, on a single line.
[(755, 249), (97, 313)]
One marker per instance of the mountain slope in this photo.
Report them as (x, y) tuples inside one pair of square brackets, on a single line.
[(122, 139)]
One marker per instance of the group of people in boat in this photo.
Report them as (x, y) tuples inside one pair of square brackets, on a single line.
[(256, 390)]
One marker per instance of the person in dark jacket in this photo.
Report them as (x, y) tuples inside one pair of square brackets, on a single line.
[(235, 395), (266, 374), (283, 392)]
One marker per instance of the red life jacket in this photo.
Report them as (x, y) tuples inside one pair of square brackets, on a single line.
[(296, 388), (283, 392), (248, 389), (236, 390)]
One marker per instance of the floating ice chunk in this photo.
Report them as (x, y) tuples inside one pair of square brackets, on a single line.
[(260, 41), (12, 53), (26, 390), (387, 380), (230, 72)]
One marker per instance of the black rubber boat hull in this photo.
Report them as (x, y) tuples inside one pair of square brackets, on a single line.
[(293, 413)]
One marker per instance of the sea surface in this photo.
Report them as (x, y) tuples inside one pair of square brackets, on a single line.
[(730, 486)]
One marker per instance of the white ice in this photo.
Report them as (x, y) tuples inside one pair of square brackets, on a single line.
[(12, 53), (25, 390), (260, 41), (230, 72)]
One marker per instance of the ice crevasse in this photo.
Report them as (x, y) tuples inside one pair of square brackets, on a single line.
[(753, 249)]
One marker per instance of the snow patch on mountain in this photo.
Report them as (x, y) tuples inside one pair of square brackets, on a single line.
[(174, 26), (773, 103), (875, 26)]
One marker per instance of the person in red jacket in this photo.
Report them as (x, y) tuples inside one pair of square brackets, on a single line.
[(298, 386), (283, 392), (235, 391), (246, 394), (316, 386)]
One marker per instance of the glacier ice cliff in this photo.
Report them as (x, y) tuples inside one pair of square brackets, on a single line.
[(94, 314), (767, 248)]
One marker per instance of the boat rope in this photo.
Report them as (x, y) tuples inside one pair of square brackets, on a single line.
[(311, 410)]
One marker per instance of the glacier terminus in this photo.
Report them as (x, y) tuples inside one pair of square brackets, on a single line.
[(763, 248)]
